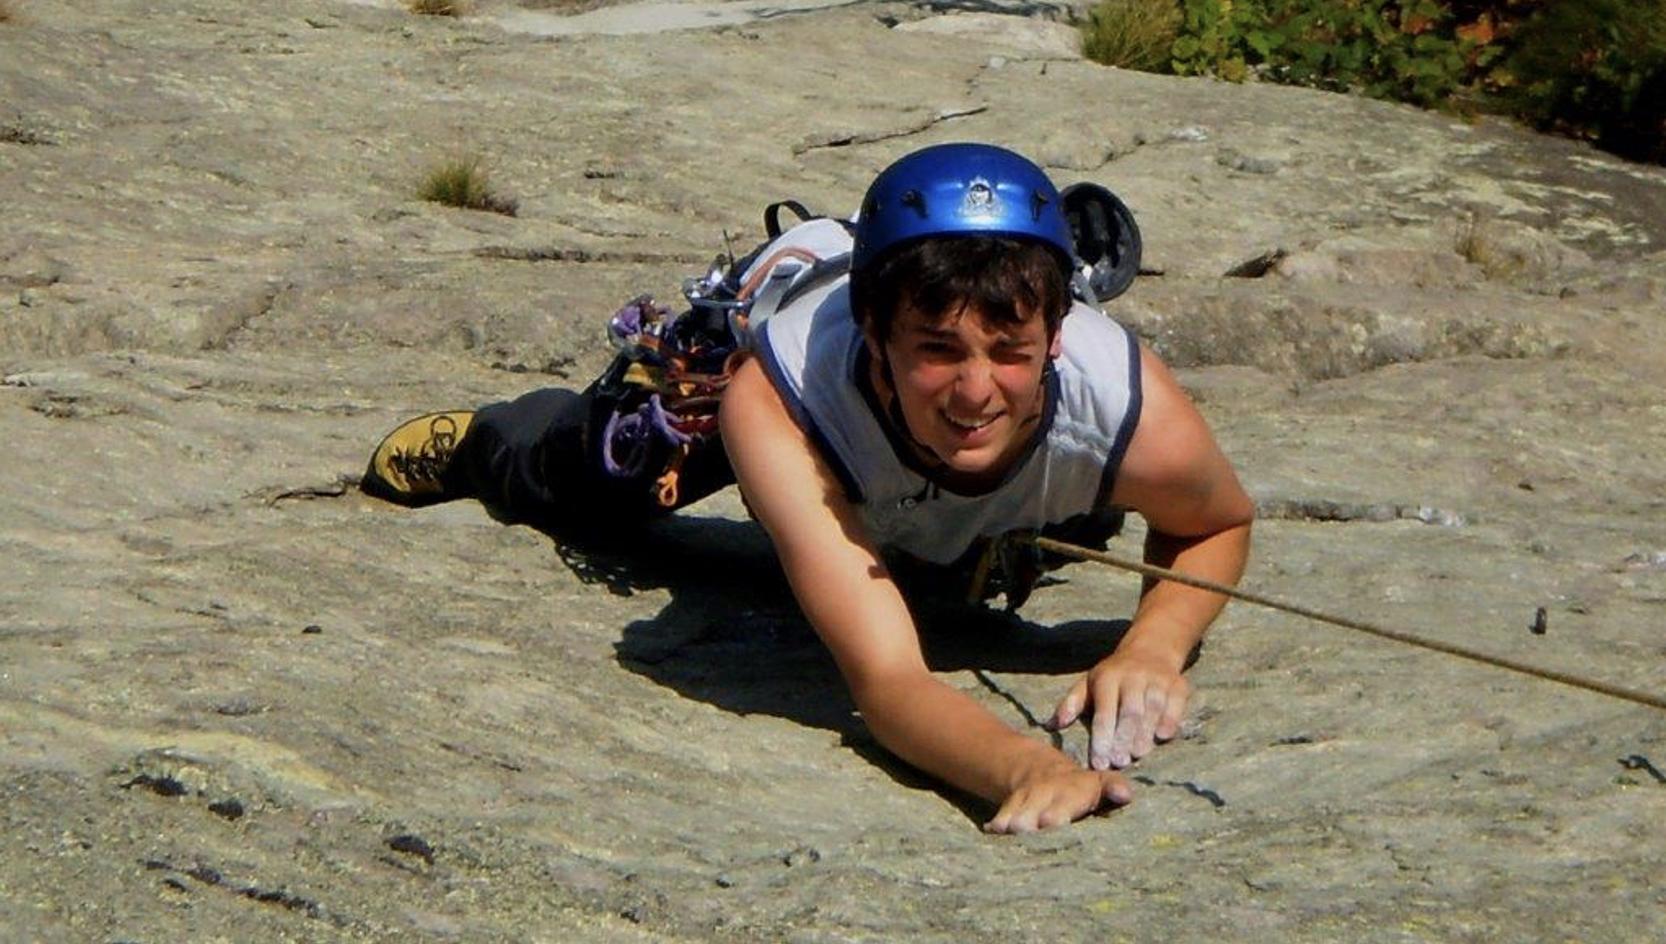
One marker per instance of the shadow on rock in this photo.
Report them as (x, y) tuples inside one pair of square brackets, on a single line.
[(732, 635)]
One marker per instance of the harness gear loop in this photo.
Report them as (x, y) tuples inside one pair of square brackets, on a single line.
[(667, 491)]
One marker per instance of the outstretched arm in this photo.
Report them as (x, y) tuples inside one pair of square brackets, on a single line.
[(1176, 477), (856, 609)]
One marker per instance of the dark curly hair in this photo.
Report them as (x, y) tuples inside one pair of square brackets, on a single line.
[(1003, 278)]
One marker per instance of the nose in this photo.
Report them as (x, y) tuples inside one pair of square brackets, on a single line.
[(975, 383)]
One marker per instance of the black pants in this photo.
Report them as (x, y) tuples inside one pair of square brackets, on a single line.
[(537, 460)]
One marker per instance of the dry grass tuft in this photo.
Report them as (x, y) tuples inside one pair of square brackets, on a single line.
[(438, 7), (1132, 34), (462, 182), (1478, 242)]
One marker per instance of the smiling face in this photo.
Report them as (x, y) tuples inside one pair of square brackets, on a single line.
[(969, 388)]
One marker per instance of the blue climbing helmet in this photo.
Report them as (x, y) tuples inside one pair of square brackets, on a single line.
[(960, 190)]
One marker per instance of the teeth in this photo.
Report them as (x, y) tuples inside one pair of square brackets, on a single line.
[(974, 423)]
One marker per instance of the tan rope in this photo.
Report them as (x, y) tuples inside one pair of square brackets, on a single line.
[(1163, 573)]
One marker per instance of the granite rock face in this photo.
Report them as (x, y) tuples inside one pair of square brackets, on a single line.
[(240, 701)]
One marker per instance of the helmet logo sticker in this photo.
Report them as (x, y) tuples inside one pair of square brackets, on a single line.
[(980, 199)]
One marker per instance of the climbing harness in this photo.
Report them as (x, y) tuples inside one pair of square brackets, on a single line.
[(1462, 652), (659, 399)]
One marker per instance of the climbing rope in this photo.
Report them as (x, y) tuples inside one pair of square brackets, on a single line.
[(1164, 573)]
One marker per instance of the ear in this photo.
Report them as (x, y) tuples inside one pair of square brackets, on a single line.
[(1056, 346)]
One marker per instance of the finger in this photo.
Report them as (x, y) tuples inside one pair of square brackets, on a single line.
[(1070, 706), (1117, 789), (1106, 788), (1103, 727), (1023, 821), (1156, 700), (1130, 714), (1002, 820), (1064, 811), (1168, 726)]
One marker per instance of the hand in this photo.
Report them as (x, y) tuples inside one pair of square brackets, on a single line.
[(1061, 795), (1137, 700)]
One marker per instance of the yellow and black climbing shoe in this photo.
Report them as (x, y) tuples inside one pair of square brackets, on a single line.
[(409, 467)]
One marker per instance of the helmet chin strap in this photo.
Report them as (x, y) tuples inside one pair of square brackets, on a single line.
[(894, 409)]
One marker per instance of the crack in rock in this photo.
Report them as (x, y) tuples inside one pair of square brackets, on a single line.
[(1321, 509), (1195, 789), (273, 494), (1029, 717), (214, 878), (574, 254), (849, 138)]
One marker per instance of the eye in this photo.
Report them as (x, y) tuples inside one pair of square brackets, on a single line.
[(1015, 353)]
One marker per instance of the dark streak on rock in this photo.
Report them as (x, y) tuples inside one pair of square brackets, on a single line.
[(161, 786), (412, 844), (803, 855), (18, 134), (1639, 762), (273, 494), (214, 878), (572, 254), (1256, 267), (1195, 789), (1023, 709)]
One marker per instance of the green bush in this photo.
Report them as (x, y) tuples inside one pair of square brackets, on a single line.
[(1214, 37), (1400, 49), (1594, 69), (1591, 68), (461, 182), (1131, 34)]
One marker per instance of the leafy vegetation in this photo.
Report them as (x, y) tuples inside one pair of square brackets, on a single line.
[(1593, 68), (1132, 34), (462, 182)]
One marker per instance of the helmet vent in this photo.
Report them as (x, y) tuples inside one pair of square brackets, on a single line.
[(915, 199)]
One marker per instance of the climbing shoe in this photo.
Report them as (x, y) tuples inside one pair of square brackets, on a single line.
[(409, 467)]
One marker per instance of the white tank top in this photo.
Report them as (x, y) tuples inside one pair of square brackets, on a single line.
[(814, 354)]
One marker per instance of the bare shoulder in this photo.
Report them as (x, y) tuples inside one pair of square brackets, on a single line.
[(754, 420), (1174, 472), (790, 488)]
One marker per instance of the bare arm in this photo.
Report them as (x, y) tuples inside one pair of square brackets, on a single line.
[(1176, 477), (856, 609)]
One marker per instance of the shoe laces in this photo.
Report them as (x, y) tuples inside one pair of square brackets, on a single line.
[(427, 462)]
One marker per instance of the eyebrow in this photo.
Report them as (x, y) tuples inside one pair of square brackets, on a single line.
[(932, 331)]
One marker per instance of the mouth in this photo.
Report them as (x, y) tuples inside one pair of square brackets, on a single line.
[(968, 424)]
